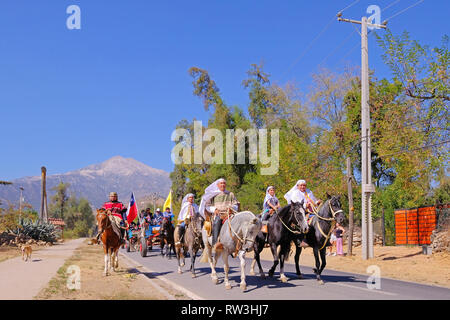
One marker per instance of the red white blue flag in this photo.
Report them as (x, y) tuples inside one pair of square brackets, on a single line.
[(132, 211)]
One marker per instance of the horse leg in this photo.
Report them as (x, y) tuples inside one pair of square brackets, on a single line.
[(243, 285), (298, 252), (192, 253), (178, 255), (117, 258), (105, 250), (226, 268), (212, 263), (273, 248), (317, 268), (284, 252), (324, 261)]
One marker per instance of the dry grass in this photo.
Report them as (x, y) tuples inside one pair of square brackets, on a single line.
[(8, 252), (402, 263), (126, 284)]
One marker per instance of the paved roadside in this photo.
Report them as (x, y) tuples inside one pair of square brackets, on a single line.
[(22, 280)]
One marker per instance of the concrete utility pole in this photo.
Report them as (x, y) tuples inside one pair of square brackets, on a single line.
[(20, 200), (44, 212), (366, 169)]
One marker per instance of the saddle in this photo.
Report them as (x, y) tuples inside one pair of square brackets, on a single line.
[(115, 223)]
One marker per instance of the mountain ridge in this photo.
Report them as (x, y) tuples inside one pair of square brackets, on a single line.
[(94, 182)]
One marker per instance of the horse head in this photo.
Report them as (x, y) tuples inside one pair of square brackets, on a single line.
[(336, 208), (298, 212), (250, 231), (102, 219), (165, 226)]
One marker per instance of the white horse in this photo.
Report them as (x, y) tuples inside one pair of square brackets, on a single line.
[(237, 234)]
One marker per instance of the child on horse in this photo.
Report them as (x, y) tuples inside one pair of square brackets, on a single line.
[(270, 205)]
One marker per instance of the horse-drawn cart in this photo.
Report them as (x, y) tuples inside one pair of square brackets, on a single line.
[(148, 237)]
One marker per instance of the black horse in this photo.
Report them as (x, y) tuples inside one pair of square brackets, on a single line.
[(284, 226), (167, 237), (319, 233)]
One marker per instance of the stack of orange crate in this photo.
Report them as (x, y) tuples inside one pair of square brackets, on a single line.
[(413, 226), (427, 223), (400, 227)]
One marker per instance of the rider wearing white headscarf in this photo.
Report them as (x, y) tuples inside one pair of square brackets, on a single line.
[(217, 203), (295, 195), (188, 210)]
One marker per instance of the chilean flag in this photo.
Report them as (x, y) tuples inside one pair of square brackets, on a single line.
[(132, 211)]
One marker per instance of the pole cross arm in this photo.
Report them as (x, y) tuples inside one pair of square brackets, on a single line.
[(383, 25)]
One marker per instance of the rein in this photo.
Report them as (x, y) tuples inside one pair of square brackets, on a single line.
[(332, 220), (293, 231), (234, 232)]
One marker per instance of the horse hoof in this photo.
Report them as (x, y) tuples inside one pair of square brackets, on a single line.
[(263, 276), (283, 279), (180, 272), (243, 287), (182, 264), (321, 282), (300, 276), (228, 286), (215, 280), (252, 272), (193, 276)]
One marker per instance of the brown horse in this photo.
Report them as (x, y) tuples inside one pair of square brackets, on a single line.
[(111, 241)]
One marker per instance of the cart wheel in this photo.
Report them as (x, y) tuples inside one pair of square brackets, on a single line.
[(143, 247)]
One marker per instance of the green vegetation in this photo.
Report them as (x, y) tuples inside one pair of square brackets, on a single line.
[(321, 127), (76, 213)]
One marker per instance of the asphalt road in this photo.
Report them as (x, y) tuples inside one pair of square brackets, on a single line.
[(338, 285)]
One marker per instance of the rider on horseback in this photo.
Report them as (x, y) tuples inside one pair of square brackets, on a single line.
[(187, 211), (270, 205), (118, 210), (299, 193), (218, 203)]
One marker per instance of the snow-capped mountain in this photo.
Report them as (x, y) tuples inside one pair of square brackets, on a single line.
[(94, 182)]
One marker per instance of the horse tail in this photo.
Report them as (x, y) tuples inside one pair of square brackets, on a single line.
[(204, 257)]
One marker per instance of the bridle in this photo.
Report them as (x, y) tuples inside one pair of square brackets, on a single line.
[(332, 220), (242, 241), (297, 226)]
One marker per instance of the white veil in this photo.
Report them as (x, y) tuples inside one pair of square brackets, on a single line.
[(211, 191)]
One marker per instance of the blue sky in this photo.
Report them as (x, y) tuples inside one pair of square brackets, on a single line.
[(118, 86)]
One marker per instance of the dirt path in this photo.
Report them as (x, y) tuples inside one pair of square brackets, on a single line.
[(22, 280)]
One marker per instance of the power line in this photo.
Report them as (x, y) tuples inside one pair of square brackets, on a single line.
[(406, 9), (307, 49)]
